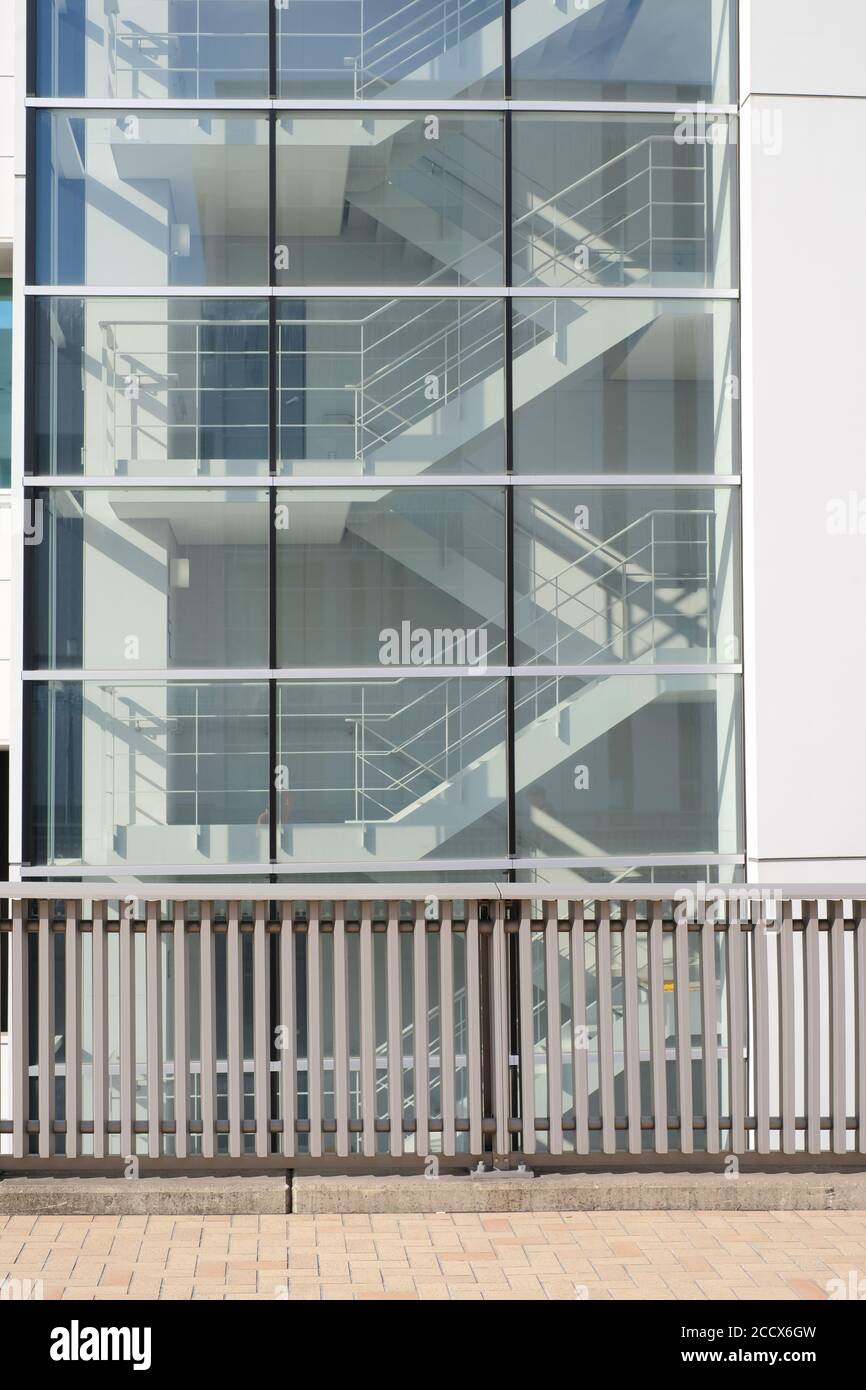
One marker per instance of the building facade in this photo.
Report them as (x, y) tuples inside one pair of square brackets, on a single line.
[(433, 458)]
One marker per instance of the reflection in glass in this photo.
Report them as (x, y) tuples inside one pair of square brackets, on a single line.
[(623, 200), (158, 49), (603, 50), (150, 579), (396, 49), (625, 386), (151, 198), (151, 387), (400, 199), (385, 771), (391, 577), (153, 774), (626, 574), (628, 765), (391, 387)]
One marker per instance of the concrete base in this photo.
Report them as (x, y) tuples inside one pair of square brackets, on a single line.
[(181, 1196), (582, 1192), (405, 1194)]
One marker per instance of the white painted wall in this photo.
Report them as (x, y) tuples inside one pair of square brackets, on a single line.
[(804, 367)]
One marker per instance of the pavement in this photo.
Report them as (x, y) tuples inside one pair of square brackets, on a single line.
[(584, 1255)]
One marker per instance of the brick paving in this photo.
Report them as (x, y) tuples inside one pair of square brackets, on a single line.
[(609, 1255)]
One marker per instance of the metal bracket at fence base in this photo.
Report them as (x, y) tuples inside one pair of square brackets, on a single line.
[(482, 1171)]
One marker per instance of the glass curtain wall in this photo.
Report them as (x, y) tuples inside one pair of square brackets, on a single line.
[(382, 461)]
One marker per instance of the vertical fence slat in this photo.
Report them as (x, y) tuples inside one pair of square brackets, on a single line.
[(234, 1030), (154, 1028), (787, 1033), (368, 1037), (19, 972), (605, 1030), (288, 1055), (100, 1032), (736, 1031), (181, 1035), (72, 1040), (473, 1030), (46, 1033), (860, 1023), (420, 1038), (838, 1029), (499, 1012), (813, 1033), (341, 1034), (554, 1027), (761, 1009), (710, 1035), (208, 1033), (446, 1009), (684, 1037), (527, 1030), (314, 1032), (127, 1035), (631, 1030), (395, 1033), (658, 1049), (579, 1038), (261, 1036)]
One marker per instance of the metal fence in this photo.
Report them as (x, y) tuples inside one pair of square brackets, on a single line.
[(291, 1030)]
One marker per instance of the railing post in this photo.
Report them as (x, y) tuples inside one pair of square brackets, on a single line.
[(154, 1030), (207, 1076), (181, 1034), (72, 1027), (19, 975), (100, 1030), (46, 1033), (127, 1036)]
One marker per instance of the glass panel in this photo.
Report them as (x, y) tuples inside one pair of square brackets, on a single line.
[(151, 387), (151, 198), (401, 199), (5, 382), (178, 49), (398, 770), (148, 579), (155, 774), (626, 574), (623, 200), (631, 875), (397, 49), (604, 50), (625, 386), (391, 577), (628, 765), (392, 387)]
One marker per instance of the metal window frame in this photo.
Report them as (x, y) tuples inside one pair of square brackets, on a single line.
[(272, 106)]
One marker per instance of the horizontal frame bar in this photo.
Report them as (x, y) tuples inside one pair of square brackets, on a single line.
[(352, 674), (366, 292), (267, 481), (369, 108)]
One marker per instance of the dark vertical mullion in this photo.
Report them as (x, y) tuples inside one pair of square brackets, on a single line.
[(510, 714), (272, 48), (273, 456)]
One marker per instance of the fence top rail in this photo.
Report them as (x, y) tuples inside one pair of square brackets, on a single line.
[(54, 890)]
